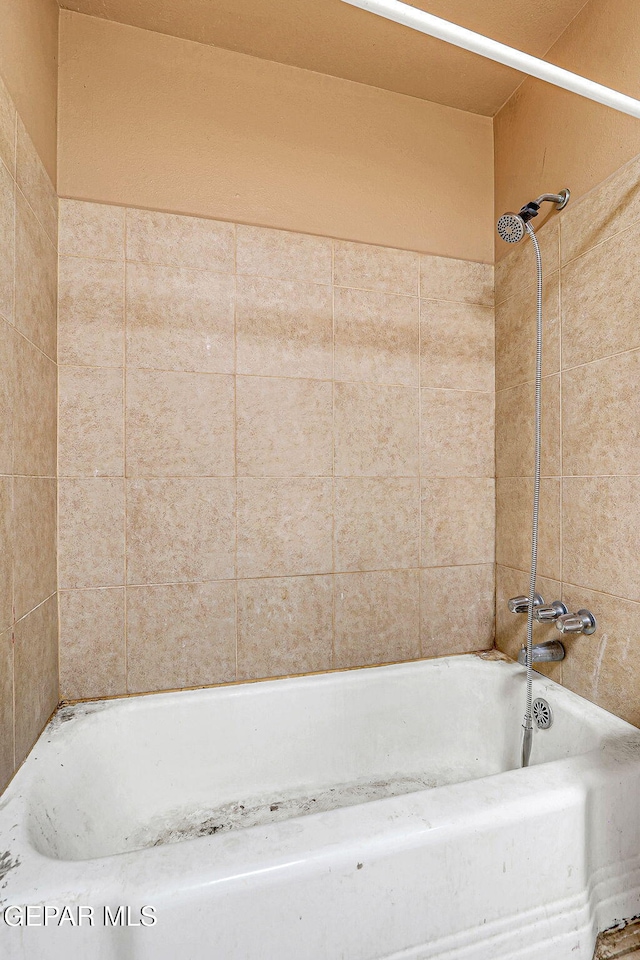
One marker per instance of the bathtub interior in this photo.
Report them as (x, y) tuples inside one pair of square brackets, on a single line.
[(118, 776)]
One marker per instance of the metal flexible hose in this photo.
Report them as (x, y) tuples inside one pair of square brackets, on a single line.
[(527, 723)]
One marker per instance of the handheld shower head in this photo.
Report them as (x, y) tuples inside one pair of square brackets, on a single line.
[(511, 226)]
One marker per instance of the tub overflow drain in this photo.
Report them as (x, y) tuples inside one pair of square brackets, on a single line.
[(542, 714)]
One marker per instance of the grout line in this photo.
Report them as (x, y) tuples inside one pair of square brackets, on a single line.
[(13, 571), (561, 424), (289, 479), (283, 576), (601, 243), (495, 467), (573, 586), (57, 443), (393, 294), (528, 289), (50, 241), (333, 453), (124, 448), (608, 356), (577, 476), (37, 606), (526, 383), (421, 586), (26, 338), (13, 459), (258, 376), (235, 439)]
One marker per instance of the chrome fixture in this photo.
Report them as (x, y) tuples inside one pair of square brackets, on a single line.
[(424, 22), (549, 652), (512, 226), (521, 604), (581, 622), (543, 613), (542, 713), (550, 613)]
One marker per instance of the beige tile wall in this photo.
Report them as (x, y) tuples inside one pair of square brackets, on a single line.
[(276, 452), (590, 521), (28, 602)]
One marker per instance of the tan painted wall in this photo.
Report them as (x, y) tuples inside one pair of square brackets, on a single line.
[(29, 67), (337, 39), (153, 121), (546, 138)]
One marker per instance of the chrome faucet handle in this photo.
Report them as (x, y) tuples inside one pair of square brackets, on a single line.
[(581, 622), (521, 604), (551, 612)]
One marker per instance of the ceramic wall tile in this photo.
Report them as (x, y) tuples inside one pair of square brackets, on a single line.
[(91, 312), (93, 230), (284, 328), (93, 656), (179, 424), (377, 617), (180, 530), (265, 386), (284, 527), (600, 300), (284, 428), (7, 243), (285, 626), (183, 635), (34, 528), (376, 523), (90, 532), (368, 267), (377, 337), (166, 238), (458, 521), (261, 252), (457, 347), (457, 610), (91, 422), (35, 674), (457, 433), (7, 760), (376, 430), (36, 280), (442, 278), (179, 319)]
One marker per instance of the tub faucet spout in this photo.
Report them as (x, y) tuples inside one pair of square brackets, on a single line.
[(549, 652)]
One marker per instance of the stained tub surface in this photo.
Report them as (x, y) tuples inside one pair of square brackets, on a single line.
[(369, 814)]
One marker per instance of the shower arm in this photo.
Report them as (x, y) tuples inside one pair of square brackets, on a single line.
[(531, 209), (560, 199)]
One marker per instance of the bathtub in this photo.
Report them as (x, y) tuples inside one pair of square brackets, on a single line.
[(373, 813)]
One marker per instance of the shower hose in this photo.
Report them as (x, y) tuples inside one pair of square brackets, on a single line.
[(527, 723)]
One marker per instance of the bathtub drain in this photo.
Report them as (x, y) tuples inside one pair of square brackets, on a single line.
[(542, 714)]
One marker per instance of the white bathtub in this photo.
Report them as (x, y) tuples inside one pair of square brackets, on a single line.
[(376, 813)]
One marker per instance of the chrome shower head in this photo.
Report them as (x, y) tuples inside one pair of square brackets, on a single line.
[(511, 226)]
